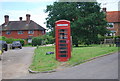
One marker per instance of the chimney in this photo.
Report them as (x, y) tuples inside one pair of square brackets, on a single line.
[(6, 19), (20, 18), (27, 18), (104, 9)]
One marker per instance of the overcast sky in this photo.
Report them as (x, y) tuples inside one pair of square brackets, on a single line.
[(19, 8)]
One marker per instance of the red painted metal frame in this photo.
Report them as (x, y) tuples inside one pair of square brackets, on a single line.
[(62, 24)]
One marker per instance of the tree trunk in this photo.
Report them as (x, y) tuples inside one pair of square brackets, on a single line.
[(76, 45)]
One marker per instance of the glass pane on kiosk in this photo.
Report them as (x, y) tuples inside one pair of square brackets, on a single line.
[(62, 37), (62, 44), (62, 41), (63, 48), (63, 51), (62, 30), (63, 33), (63, 55)]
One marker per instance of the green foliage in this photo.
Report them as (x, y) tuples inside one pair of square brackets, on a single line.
[(2, 38), (43, 62), (10, 40), (36, 41), (87, 20), (116, 38), (41, 40)]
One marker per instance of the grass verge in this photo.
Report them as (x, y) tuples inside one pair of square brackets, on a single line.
[(43, 62)]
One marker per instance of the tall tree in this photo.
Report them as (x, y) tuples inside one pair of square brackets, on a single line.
[(87, 19)]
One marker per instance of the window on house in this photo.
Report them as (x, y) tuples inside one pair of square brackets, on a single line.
[(5, 25), (20, 32), (110, 25), (112, 33), (0, 33), (31, 32), (8, 32), (42, 32)]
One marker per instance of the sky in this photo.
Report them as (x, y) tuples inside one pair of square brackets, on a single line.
[(36, 8)]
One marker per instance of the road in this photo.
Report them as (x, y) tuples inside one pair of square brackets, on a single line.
[(0, 70), (15, 65), (101, 68), (15, 62)]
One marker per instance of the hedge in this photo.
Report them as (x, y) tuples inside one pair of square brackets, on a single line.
[(42, 40), (10, 40)]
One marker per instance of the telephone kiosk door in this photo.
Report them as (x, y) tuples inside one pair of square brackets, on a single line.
[(62, 38)]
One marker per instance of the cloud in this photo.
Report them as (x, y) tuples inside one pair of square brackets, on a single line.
[(38, 15), (111, 5)]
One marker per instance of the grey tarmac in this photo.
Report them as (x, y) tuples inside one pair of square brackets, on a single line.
[(15, 63), (101, 68)]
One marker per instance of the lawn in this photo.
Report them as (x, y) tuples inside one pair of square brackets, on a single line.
[(43, 62)]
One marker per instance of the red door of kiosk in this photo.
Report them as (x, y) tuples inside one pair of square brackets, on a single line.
[(63, 43)]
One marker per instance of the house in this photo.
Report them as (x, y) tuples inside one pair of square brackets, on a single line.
[(113, 19), (21, 29)]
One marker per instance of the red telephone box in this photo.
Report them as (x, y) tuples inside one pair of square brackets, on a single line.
[(63, 43)]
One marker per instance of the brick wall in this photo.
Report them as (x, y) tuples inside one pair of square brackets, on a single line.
[(25, 35), (116, 28)]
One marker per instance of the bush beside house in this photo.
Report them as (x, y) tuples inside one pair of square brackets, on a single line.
[(10, 40), (42, 40)]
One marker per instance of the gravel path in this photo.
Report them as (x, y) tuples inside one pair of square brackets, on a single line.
[(15, 62)]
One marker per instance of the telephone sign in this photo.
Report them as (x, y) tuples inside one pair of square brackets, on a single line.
[(63, 43)]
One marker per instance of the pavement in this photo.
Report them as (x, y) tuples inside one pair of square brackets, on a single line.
[(15, 63), (101, 68), (0, 70)]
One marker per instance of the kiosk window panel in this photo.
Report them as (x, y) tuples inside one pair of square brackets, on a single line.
[(63, 44), (62, 41), (63, 55), (61, 37), (63, 51), (63, 30), (63, 33), (63, 48)]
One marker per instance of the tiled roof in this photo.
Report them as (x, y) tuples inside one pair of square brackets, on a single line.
[(113, 16), (21, 25)]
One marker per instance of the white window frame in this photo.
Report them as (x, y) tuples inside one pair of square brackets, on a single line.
[(8, 32), (43, 32), (30, 32), (110, 24), (20, 32)]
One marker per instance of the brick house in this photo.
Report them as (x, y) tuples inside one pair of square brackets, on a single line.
[(113, 19), (21, 29)]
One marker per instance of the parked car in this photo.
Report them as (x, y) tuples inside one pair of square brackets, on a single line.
[(3, 45), (1, 52), (16, 44)]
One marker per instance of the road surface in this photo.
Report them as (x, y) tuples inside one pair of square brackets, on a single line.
[(101, 68), (15, 62)]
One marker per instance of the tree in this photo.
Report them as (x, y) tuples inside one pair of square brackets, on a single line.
[(87, 19)]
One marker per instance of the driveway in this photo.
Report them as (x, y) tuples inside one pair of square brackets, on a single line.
[(101, 68), (15, 62), (0, 70)]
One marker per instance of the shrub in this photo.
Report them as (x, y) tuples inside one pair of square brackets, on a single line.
[(42, 40), (10, 40), (36, 41)]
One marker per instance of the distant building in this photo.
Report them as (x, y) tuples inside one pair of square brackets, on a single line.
[(113, 19), (21, 29)]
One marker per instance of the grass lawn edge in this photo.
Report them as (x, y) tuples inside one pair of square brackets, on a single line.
[(94, 58), (78, 63)]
